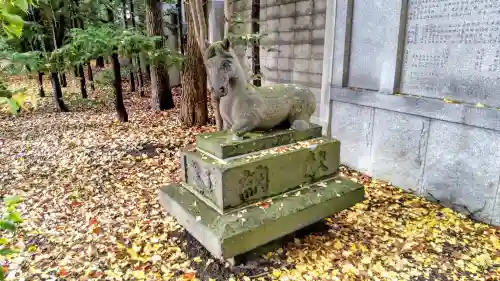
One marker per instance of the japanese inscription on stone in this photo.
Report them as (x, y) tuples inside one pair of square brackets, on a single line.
[(452, 49), (316, 165), (253, 183), (203, 178)]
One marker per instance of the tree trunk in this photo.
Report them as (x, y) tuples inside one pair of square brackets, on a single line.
[(64, 81), (193, 111), (255, 48), (99, 62), (41, 92), (81, 77), (58, 37), (148, 71), (91, 76), (131, 77), (143, 59), (131, 62), (140, 78), (179, 26), (161, 94), (119, 105), (57, 92)]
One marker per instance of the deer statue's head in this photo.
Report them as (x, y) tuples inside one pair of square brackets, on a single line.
[(222, 67)]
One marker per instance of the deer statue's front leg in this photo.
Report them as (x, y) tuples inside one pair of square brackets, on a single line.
[(219, 123), (242, 127)]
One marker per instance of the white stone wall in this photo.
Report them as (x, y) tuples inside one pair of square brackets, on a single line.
[(172, 38), (390, 75), (292, 50)]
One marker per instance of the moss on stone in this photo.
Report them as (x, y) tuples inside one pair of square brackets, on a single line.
[(254, 225), (220, 143)]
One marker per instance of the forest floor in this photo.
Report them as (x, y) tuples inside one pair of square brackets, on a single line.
[(91, 211)]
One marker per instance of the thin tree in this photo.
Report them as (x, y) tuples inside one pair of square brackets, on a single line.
[(91, 76), (119, 105), (34, 15), (194, 109), (99, 62), (79, 73), (57, 35), (198, 29), (161, 94), (131, 63), (145, 63), (140, 76), (121, 111), (64, 80), (41, 92), (255, 44), (180, 35)]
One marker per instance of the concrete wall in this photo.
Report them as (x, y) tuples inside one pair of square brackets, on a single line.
[(215, 11), (411, 89), (170, 31), (292, 50)]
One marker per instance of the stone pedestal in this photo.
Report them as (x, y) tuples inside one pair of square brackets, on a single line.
[(239, 195)]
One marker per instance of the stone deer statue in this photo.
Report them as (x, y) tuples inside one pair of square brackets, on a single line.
[(245, 108)]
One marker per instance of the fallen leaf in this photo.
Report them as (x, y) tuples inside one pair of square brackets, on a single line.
[(63, 272), (263, 205), (92, 222), (189, 276), (90, 180)]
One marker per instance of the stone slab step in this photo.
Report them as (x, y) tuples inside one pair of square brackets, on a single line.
[(240, 180), (221, 145), (249, 227)]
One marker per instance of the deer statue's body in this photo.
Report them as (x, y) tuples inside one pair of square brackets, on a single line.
[(245, 108)]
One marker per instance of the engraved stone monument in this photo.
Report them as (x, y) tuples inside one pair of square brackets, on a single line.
[(240, 193), (453, 50)]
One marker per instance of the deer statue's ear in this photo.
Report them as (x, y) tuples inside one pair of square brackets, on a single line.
[(226, 44)]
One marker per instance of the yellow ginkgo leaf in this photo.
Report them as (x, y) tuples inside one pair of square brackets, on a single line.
[(471, 268), (135, 256), (366, 260), (447, 100)]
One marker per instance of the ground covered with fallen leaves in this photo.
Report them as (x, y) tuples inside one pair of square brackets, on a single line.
[(91, 211)]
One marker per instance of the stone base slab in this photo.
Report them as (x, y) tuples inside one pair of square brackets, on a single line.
[(221, 145), (242, 180), (251, 226)]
